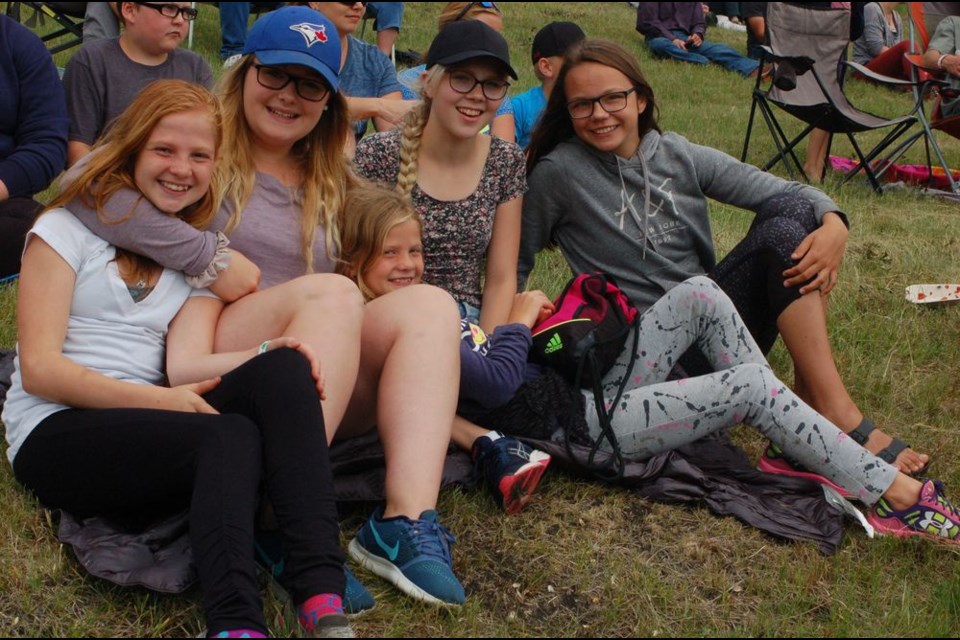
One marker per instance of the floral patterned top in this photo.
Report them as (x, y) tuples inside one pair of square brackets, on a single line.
[(456, 234)]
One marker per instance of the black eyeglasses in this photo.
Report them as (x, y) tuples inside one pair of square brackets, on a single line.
[(463, 82), (171, 10), (471, 5), (609, 102), (276, 79)]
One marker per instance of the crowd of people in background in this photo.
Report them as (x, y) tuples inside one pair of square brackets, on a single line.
[(233, 278)]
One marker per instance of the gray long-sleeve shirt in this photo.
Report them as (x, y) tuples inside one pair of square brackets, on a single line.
[(589, 203)]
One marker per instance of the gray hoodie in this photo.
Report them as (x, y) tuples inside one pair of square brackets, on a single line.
[(592, 204)]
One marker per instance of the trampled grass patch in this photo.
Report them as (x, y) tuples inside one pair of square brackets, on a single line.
[(588, 560)]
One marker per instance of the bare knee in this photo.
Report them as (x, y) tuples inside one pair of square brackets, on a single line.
[(330, 291), (423, 305)]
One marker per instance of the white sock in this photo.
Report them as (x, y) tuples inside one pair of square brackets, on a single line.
[(493, 435)]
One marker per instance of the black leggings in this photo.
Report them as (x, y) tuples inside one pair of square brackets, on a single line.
[(270, 427), (752, 273)]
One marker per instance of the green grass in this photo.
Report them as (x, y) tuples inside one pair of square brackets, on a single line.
[(589, 560)]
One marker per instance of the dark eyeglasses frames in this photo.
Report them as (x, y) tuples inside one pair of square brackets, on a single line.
[(276, 79), (609, 102), (171, 10), (463, 82)]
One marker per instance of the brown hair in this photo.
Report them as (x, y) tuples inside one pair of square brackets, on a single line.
[(453, 11), (111, 165), (555, 124), (320, 155), (369, 213)]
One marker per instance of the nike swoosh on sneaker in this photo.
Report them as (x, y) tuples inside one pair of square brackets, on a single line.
[(391, 551)]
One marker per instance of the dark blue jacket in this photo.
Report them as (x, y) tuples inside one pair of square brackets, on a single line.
[(33, 112), (492, 370)]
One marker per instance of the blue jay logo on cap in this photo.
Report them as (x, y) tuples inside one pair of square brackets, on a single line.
[(312, 33)]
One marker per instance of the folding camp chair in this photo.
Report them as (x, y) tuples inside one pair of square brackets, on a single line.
[(814, 42), (949, 125), (68, 15)]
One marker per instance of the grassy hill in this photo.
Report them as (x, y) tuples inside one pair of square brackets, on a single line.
[(589, 560)]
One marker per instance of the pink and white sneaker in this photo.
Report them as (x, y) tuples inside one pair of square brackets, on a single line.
[(773, 461), (931, 516)]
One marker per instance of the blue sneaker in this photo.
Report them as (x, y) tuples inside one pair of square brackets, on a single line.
[(269, 555), (413, 555), (510, 468), (356, 598)]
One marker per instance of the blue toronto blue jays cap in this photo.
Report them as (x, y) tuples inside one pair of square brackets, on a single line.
[(297, 35)]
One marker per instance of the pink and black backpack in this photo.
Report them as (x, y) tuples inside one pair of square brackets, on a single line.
[(585, 335), (582, 340)]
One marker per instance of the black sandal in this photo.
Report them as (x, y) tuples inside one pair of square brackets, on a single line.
[(888, 454)]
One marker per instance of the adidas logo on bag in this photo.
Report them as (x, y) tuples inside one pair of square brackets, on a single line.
[(555, 344)]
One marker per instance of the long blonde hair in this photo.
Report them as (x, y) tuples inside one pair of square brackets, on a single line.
[(369, 213), (111, 164), (325, 171)]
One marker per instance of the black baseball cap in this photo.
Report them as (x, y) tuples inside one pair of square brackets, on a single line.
[(555, 38), (461, 41)]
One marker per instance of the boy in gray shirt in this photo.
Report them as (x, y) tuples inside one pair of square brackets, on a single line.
[(105, 75)]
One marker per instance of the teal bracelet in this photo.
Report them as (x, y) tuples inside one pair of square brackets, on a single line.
[(263, 347)]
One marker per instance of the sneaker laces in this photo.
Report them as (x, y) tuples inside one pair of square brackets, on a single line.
[(940, 496), (433, 539)]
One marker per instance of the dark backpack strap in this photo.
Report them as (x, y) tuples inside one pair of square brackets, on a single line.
[(613, 472)]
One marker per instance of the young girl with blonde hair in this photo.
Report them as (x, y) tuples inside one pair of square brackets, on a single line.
[(467, 188), (395, 360), (382, 251), (91, 427)]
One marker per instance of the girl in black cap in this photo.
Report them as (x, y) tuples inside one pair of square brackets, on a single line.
[(466, 187)]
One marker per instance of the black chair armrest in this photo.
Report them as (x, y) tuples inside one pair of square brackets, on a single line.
[(878, 77), (802, 64)]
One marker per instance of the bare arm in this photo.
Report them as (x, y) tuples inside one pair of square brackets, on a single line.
[(75, 151), (45, 297), (504, 127), (501, 275), (950, 63), (190, 346), (386, 111), (169, 241), (758, 27)]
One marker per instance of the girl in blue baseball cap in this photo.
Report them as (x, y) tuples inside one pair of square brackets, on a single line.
[(393, 363)]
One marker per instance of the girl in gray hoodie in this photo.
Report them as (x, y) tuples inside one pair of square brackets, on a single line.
[(616, 194)]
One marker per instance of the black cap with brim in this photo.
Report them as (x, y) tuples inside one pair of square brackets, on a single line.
[(469, 40)]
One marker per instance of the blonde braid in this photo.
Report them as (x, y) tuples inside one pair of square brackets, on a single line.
[(410, 138), (412, 134)]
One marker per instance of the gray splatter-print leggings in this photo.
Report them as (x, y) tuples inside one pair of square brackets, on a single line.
[(656, 415)]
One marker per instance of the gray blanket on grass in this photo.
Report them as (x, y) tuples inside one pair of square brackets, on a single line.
[(711, 471)]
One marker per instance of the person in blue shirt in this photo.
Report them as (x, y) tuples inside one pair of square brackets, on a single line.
[(387, 16), (549, 46), (368, 79)]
